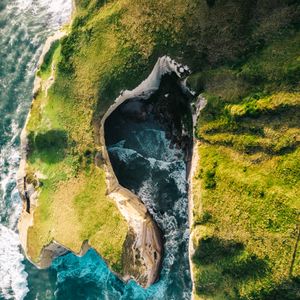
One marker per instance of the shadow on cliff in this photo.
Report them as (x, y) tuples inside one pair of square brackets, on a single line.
[(226, 265), (48, 146), (222, 261)]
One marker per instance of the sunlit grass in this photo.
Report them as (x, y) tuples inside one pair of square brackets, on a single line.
[(249, 176), (247, 183)]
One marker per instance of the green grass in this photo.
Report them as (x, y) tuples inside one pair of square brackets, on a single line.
[(51, 56), (253, 205), (72, 206), (104, 53), (246, 217), (248, 178)]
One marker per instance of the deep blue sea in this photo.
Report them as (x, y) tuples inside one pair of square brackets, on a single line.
[(24, 27)]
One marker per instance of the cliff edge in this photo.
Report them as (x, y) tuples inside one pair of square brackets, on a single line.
[(244, 219)]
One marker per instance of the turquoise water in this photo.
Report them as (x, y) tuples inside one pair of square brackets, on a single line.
[(24, 27)]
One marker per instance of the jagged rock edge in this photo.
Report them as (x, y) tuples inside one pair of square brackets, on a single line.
[(148, 240)]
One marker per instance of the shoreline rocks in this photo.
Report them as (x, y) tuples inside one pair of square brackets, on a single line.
[(143, 249)]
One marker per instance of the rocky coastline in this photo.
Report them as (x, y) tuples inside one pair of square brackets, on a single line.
[(143, 246)]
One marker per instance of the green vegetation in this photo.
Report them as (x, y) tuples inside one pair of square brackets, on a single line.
[(253, 206), (243, 126), (72, 206), (245, 58), (246, 213), (52, 55), (111, 46)]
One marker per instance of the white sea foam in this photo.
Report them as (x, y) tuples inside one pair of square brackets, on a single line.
[(153, 146), (58, 11), (124, 154), (9, 161), (28, 23), (167, 221), (13, 283), (179, 176)]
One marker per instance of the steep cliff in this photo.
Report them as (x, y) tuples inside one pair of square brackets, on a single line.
[(245, 59)]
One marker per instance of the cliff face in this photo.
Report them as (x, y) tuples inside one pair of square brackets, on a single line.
[(245, 212), (141, 251), (244, 57)]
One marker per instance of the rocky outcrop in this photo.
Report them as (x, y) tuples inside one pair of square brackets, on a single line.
[(143, 261), (143, 249), (196, 109), (27, 189)]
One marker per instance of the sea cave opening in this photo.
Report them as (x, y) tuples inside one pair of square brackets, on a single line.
[(149, 142)]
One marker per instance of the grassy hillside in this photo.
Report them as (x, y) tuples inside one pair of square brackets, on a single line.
[(244, 56), (72, 205), (247, 186), (106, 51)]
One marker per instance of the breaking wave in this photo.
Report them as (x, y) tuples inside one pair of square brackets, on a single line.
[(13, 276), (146, 163), (24, 27)]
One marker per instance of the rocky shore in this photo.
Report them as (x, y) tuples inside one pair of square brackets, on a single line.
[(142, 251), (146, 240)]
